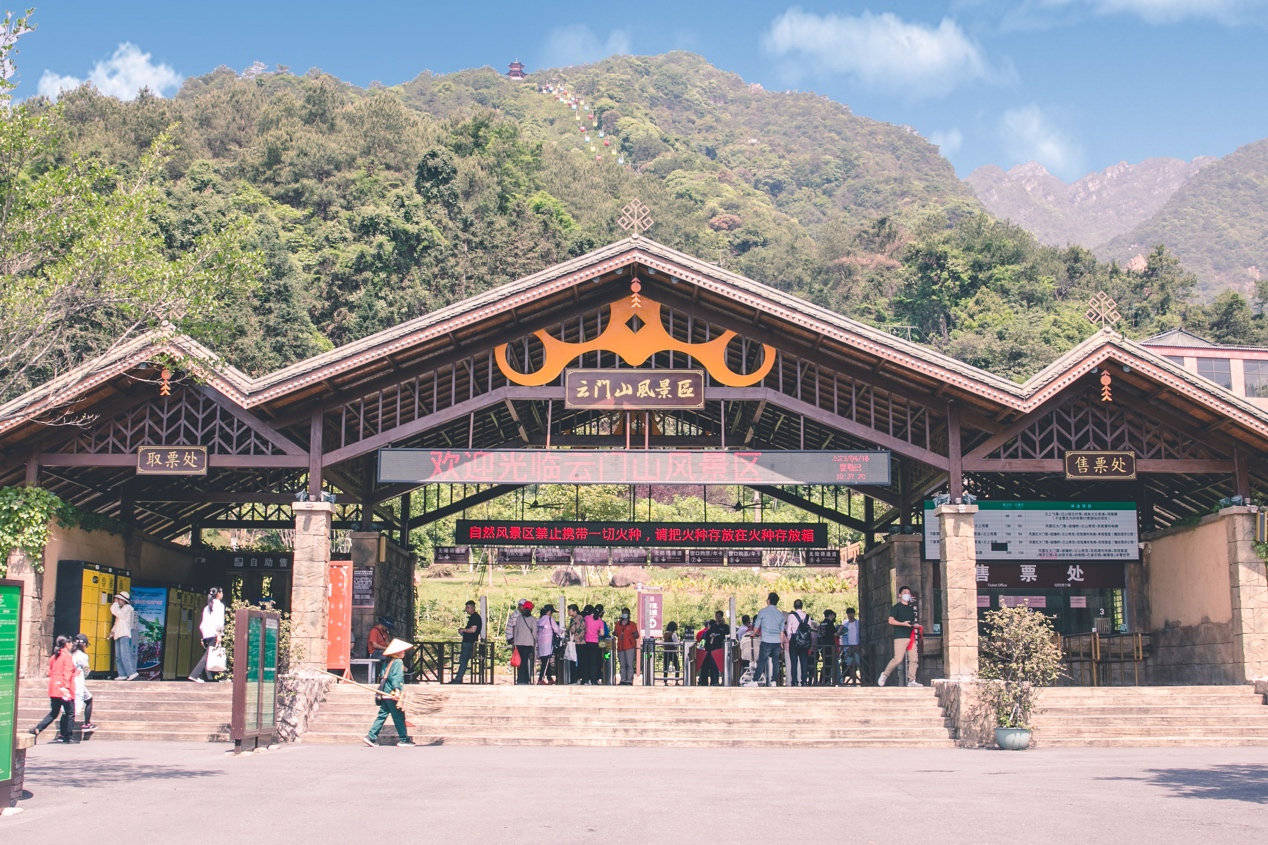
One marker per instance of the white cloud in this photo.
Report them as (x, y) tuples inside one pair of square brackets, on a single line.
[(1170, 11), (882, 50), (1028, 134), (576, 44), (53, 85), (123, 75), (948, 142)]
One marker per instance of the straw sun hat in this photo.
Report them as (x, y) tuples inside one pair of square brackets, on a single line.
[(396, 647)]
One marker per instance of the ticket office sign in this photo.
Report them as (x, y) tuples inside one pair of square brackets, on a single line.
[(1104, 466), (631, 466), (1037, 530), (633, 390), (171, 460)]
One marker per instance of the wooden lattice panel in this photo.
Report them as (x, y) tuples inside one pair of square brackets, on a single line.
[(187, 418), (1083, 424)]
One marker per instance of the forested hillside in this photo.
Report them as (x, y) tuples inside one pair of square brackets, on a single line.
[(372, 206)]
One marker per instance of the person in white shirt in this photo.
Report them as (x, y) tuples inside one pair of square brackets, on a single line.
[(849, 639), (211, 628), (83, 666), (769, 626), (124, 623)]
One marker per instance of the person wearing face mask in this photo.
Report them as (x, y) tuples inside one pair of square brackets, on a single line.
[(626, 634), (902, 620)]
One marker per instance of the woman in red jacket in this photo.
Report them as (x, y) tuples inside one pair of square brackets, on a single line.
[(61, 690)]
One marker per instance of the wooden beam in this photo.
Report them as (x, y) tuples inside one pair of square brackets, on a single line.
[(268, 432), (811, 507), (1241, 473), (462, 504), (316, 430)]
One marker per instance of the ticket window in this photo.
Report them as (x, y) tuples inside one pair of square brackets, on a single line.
[(1072, 611)]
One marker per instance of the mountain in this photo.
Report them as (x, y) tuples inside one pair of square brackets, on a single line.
[(1091, 211), (1216, 222)]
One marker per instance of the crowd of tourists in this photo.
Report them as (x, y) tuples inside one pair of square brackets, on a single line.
[(587, 645)]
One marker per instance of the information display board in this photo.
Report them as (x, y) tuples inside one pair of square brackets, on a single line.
[(1026, 530), (10, 642), (630, 466), (252, 719), (363, 586)]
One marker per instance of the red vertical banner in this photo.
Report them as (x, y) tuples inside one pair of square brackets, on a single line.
[(339, 629), (651, 613)]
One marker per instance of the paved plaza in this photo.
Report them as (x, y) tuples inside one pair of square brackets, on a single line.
[(174, 792)]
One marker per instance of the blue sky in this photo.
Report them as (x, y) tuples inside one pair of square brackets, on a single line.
[(1075, 84)]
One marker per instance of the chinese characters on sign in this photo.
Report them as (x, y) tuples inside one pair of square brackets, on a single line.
[(634, 389), (363, 586), (1107, 466), (452, 554), (1049, 576), (10, 634), (651, 620), (823, 557), (222, 559), (632, 466), (494, 532), (1046, 531), (171, 460)]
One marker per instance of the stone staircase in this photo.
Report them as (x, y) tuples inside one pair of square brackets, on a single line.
[(150, 710), (1151, 716), (648, 716)]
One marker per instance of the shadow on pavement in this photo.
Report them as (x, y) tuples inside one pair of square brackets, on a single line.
[(99, 772), (1231, 782)]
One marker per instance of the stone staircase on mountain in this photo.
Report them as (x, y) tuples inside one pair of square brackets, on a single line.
[(649, 716), (1151, 716), (136, 710)]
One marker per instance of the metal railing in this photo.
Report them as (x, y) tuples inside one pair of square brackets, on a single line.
[(668, 664), (437, 663), (1095, 659)]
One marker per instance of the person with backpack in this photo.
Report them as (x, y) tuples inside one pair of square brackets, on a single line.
[(800, 640), (521, 635), (61, 691), (83, 667)]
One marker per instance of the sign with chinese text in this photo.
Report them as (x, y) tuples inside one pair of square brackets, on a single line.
[(452, 554), (10, 639), (171, 460), (1107, 466), (590, 556), (630, 466), (651, 616), (628, 556), (705, 557), (823, 557), (1046, 531), (744, 557), (363, 586), (1050, 576), (634, 390), (668, 557), (494, 532), (224, 559), (518, 554), (552, 554)]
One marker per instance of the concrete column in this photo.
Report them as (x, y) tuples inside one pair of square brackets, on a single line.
[(958, 571), (37, 639), (1248, 585), (310, 585)]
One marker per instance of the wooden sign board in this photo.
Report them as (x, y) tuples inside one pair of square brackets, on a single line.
[(1100, 465), (634, 390), (171, 460)]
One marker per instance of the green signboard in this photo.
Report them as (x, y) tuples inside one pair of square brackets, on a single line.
[(10, 631), (252, 721)]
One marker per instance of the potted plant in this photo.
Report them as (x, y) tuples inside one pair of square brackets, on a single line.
[(1019, 655)]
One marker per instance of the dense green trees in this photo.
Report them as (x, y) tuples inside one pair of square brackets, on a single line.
[(361, 208)]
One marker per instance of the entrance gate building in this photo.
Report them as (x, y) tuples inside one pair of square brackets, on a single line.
[(303, 449)]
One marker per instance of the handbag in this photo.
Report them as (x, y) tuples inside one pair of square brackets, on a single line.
[(217, 660), (516, 660)]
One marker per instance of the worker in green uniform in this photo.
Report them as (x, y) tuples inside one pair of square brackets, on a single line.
[(391, 689)]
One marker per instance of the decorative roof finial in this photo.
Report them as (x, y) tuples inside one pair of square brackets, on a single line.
[(1103, 310), (635, 218)]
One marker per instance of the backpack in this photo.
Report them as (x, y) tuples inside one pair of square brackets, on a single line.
[(801, 637)]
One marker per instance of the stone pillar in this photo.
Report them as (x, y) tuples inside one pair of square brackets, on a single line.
[(958, 571), (1248, 585), (37, 639), (310, 585)]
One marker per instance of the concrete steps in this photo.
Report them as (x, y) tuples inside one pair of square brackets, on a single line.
[(649, 716), (1151, 716), (176, 711)]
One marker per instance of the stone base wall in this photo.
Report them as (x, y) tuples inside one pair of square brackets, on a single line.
[(882, 571), (1193, 654), (972, 721), (299, 696)]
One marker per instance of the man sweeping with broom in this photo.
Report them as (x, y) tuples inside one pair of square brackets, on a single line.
[(391, 690)]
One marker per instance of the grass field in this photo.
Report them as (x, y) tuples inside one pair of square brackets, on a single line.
[(691, 595)]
